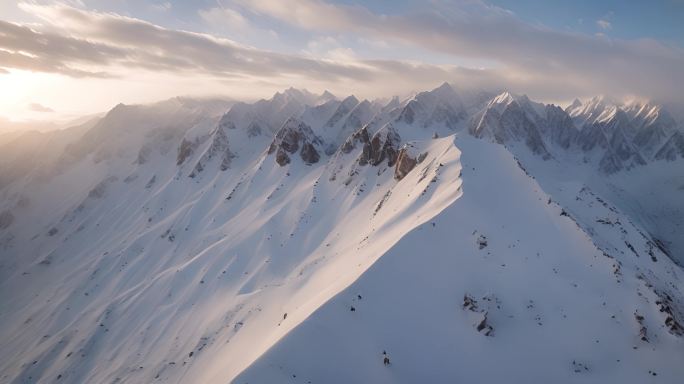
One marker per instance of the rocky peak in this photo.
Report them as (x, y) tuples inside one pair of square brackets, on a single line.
[(407, 159), (575, 104), (219, 148), (445, 91), (384, 145), (292, 137), (342, 110), (582, 113), (325, 97), (508, 118), (441, 106), (559, 127)]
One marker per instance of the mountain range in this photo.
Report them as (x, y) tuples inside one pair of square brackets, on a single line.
[(452, 235)]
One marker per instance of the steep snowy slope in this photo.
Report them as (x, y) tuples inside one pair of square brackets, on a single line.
[(475, 295), (606, 145), (197, 240), (187, 277)]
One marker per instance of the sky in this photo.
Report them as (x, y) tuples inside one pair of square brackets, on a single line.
[(63, 59)]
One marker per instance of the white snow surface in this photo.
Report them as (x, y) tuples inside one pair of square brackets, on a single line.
[(165, 244)]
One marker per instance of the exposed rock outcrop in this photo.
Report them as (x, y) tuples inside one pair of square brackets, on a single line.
[(219, 148), (406, 161), (186, 149), (384, 145), (295, 136), (509, 118)]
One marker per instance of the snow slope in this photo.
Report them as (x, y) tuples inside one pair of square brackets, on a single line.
[(242, 257), (208, 241), (557, 310)]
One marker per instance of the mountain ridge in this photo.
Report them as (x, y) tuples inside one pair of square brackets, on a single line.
[(200, 237)]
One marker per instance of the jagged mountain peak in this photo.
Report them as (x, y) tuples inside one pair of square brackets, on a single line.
[(325, 97), (595, 105), (295, 136), (575, 104), (445, 89), (301, 95), (505, 99), (444, 94), (441, 106), (350, 100)]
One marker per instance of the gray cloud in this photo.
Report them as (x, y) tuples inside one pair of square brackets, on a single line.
[(117, 40), (474, 29), (23, 48), (532, 59)]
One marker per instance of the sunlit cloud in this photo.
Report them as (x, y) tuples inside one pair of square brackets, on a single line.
[(338, 52), (476, 29), (604, 24)]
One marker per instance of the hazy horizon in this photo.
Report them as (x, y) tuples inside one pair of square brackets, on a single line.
[(61, 60)]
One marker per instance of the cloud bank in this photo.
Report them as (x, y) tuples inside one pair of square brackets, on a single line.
[(533, 59)]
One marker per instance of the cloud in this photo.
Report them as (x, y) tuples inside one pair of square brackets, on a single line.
[(604, 24), (474, 29), (224, 17), (160, 7), (24, 48), (35, 107), (116, 41), (532, 59), (228, 20)]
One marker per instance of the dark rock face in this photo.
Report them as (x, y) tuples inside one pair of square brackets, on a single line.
[(643, 331), (484, 327), (384, 145), (293, 136), (309, 154), (406, 163), (219, 148), (186, 149), (282, 158), (672, 313), (359, 137)]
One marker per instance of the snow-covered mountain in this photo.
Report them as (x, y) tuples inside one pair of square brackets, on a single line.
[(449, 236)]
